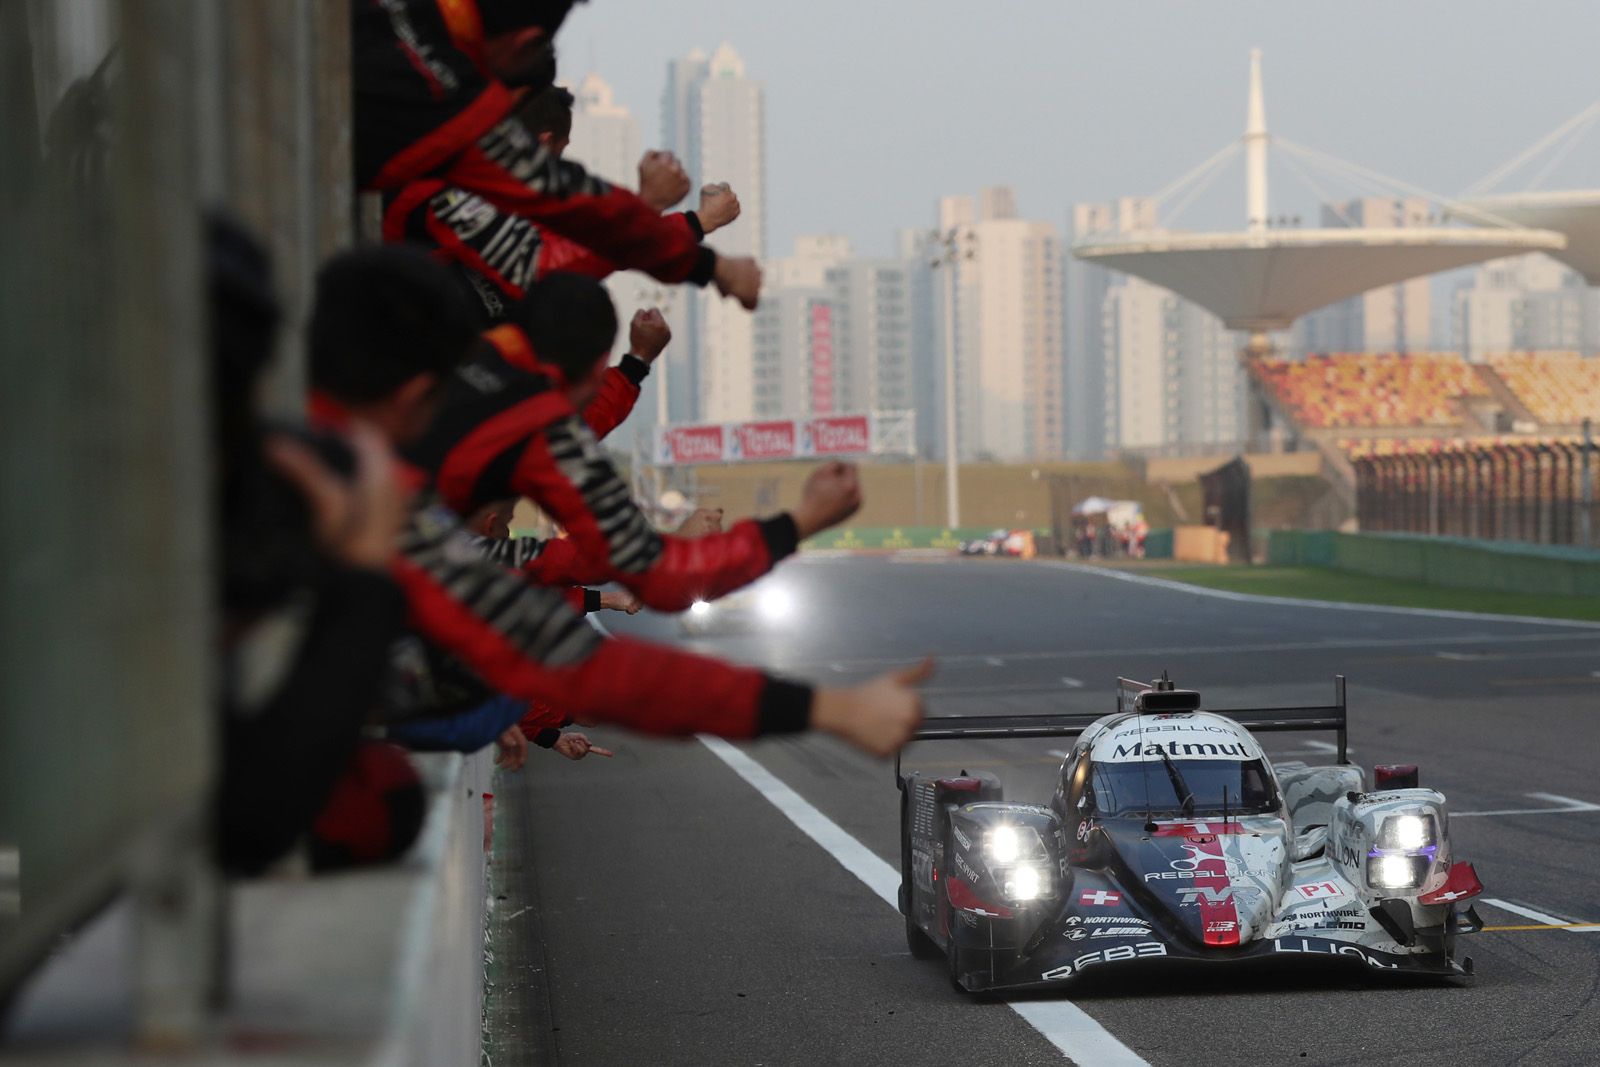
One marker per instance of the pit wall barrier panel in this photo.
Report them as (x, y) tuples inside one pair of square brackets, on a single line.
[(1459, 563)]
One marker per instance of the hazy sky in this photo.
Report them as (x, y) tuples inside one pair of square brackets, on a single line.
[(875, 108)]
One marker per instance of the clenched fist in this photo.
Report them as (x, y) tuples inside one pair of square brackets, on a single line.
[(719, 205), (831, 495), (662, 181), (648, 334), (740, 278)]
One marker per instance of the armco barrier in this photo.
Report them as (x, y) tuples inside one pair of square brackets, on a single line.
[(1460, 563)]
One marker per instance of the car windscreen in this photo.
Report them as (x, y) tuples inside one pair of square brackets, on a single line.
[(1133, 788)]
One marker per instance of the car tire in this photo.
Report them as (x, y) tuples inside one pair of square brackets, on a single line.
[(921, 945)]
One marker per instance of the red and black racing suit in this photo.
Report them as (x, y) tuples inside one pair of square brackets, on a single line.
[(498, 253), (423, 109), (525, 640), (505, 428)]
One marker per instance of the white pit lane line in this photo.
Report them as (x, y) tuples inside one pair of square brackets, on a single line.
[(1061, 1022)]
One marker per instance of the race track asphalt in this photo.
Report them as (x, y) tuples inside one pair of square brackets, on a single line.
[(681, 918)]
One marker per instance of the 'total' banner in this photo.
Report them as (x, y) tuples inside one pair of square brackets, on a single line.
[(770, 439)]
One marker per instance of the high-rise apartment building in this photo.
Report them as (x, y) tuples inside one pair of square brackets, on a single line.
[(1006, 324), (713, 118), (1164, 372), (1525, 303), (794, 343), (1390, 318), (605, 135)]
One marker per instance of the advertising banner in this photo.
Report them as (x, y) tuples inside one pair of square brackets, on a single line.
[(768, 439)]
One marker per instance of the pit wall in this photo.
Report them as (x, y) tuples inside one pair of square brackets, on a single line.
[(1460, 563)]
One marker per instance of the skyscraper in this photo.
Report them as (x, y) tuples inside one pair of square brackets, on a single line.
[(1525, 303), (713, 118), (1167, 372), (1007, 327), (1390, 318), (605, 135)]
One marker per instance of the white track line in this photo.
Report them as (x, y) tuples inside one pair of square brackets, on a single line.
[(1064, 1024), (1336, 605), (1568, 804), (1541, 917), (1327, 644)]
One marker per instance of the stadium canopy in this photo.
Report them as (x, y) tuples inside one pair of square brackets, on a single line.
[(1265, 281), (1573, 213), (1262, 279)]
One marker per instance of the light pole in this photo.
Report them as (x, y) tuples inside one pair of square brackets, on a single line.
[(949, 248)]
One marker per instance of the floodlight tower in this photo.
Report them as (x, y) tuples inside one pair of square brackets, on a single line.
[(1255, 148)]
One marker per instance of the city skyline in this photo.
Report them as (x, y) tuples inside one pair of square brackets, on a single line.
[(1100, 101), (1096, 355)]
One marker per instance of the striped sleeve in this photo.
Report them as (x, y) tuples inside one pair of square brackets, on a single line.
[(527, 642)]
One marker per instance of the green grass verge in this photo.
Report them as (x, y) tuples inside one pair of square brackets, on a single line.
[(1322, 583)]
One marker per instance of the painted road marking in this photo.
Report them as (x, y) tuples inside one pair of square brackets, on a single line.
[(993, 661), (1064, 1024), (1329, 644), (1542, 918), (1581, 679), (1333, 605), (1072, 683), (1567, 804)]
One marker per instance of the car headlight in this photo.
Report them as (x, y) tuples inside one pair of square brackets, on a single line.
[(775, 604), (1408, 833), (1003, 845), (699, 609), (1023, 882), (1393, 870)]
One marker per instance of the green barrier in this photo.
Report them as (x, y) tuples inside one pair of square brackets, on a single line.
[(1158, 544), (1300, 548), (854, 537), (1503, 566), (1454, 562)]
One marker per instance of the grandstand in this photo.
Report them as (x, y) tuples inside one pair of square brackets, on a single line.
[(1558, 389), (1361, 400), (1417, 435)]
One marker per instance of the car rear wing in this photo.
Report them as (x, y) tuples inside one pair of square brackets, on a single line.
[(1138, 697)]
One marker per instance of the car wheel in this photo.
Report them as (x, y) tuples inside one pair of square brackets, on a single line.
[(921, 945)]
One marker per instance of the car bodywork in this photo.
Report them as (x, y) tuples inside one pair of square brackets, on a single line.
[(1171, 838)]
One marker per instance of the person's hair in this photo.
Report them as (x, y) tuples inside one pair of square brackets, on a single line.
[(506, 16), (548, 111), (569, 320), (384, 315)]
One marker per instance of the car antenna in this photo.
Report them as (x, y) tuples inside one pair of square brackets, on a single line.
[(1138, 710), (1224, 808)]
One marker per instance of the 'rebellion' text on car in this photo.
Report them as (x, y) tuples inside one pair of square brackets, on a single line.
[(1171, 838)]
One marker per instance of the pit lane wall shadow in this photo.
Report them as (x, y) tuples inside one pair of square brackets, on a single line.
[(1455, 562)]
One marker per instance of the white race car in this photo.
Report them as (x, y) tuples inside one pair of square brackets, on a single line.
[(1171, 838)]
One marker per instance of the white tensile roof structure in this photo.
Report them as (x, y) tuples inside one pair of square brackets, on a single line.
[(1262, 279), (1573, 213)]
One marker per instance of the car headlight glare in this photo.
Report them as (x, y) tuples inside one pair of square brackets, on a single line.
[(1024, 883), (1409, 833), (775, 604), (1004, 846), (699, 608), (1392, 870)]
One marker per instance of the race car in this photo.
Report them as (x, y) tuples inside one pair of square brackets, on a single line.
[(1172, 838), (766, 604)]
